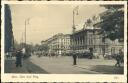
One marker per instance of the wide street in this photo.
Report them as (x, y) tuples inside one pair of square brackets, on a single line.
[(63, 65)]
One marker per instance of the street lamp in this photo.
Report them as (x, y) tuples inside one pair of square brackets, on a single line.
[(26, 22), (75, 12)]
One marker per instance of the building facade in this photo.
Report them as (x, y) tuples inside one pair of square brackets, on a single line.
[(89, 37), (59, 44), (109, 47), (113, 47), (85, 39)]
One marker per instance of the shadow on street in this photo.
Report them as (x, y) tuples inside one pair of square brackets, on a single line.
[(104, 69), (107, 69), (28, 67)]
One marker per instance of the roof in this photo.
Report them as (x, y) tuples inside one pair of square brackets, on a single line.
[(87, 29)]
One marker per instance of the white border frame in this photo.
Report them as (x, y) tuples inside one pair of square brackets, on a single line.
[(65, 77)]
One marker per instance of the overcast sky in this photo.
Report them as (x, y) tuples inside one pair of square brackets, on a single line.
[(47, 20)]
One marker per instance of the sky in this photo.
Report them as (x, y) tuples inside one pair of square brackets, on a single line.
[(46, 20)]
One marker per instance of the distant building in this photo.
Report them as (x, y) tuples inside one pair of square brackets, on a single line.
[(59, 43)]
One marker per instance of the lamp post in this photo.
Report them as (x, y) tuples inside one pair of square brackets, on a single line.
[(75, 12), (26, 22)]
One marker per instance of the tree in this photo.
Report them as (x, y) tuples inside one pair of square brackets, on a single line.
[(112, 22), (8, 29), (44, 47)]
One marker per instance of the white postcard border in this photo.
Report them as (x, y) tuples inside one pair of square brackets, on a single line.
[(64, 77)]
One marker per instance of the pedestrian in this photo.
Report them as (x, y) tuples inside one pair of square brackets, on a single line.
[(19, 58), (118, 58), (91, 53), (74, 54), (121, 55)]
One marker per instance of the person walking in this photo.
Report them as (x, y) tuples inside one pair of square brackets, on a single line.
[(74, 58), (91, 53), (121, 55), (19, 58), (118, 58)]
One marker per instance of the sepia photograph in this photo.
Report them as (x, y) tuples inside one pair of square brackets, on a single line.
[(64, 39)]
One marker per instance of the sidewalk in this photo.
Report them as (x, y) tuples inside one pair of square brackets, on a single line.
[(101, 66), (28, 67)]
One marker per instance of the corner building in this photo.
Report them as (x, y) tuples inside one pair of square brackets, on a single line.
[(59, 44)]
